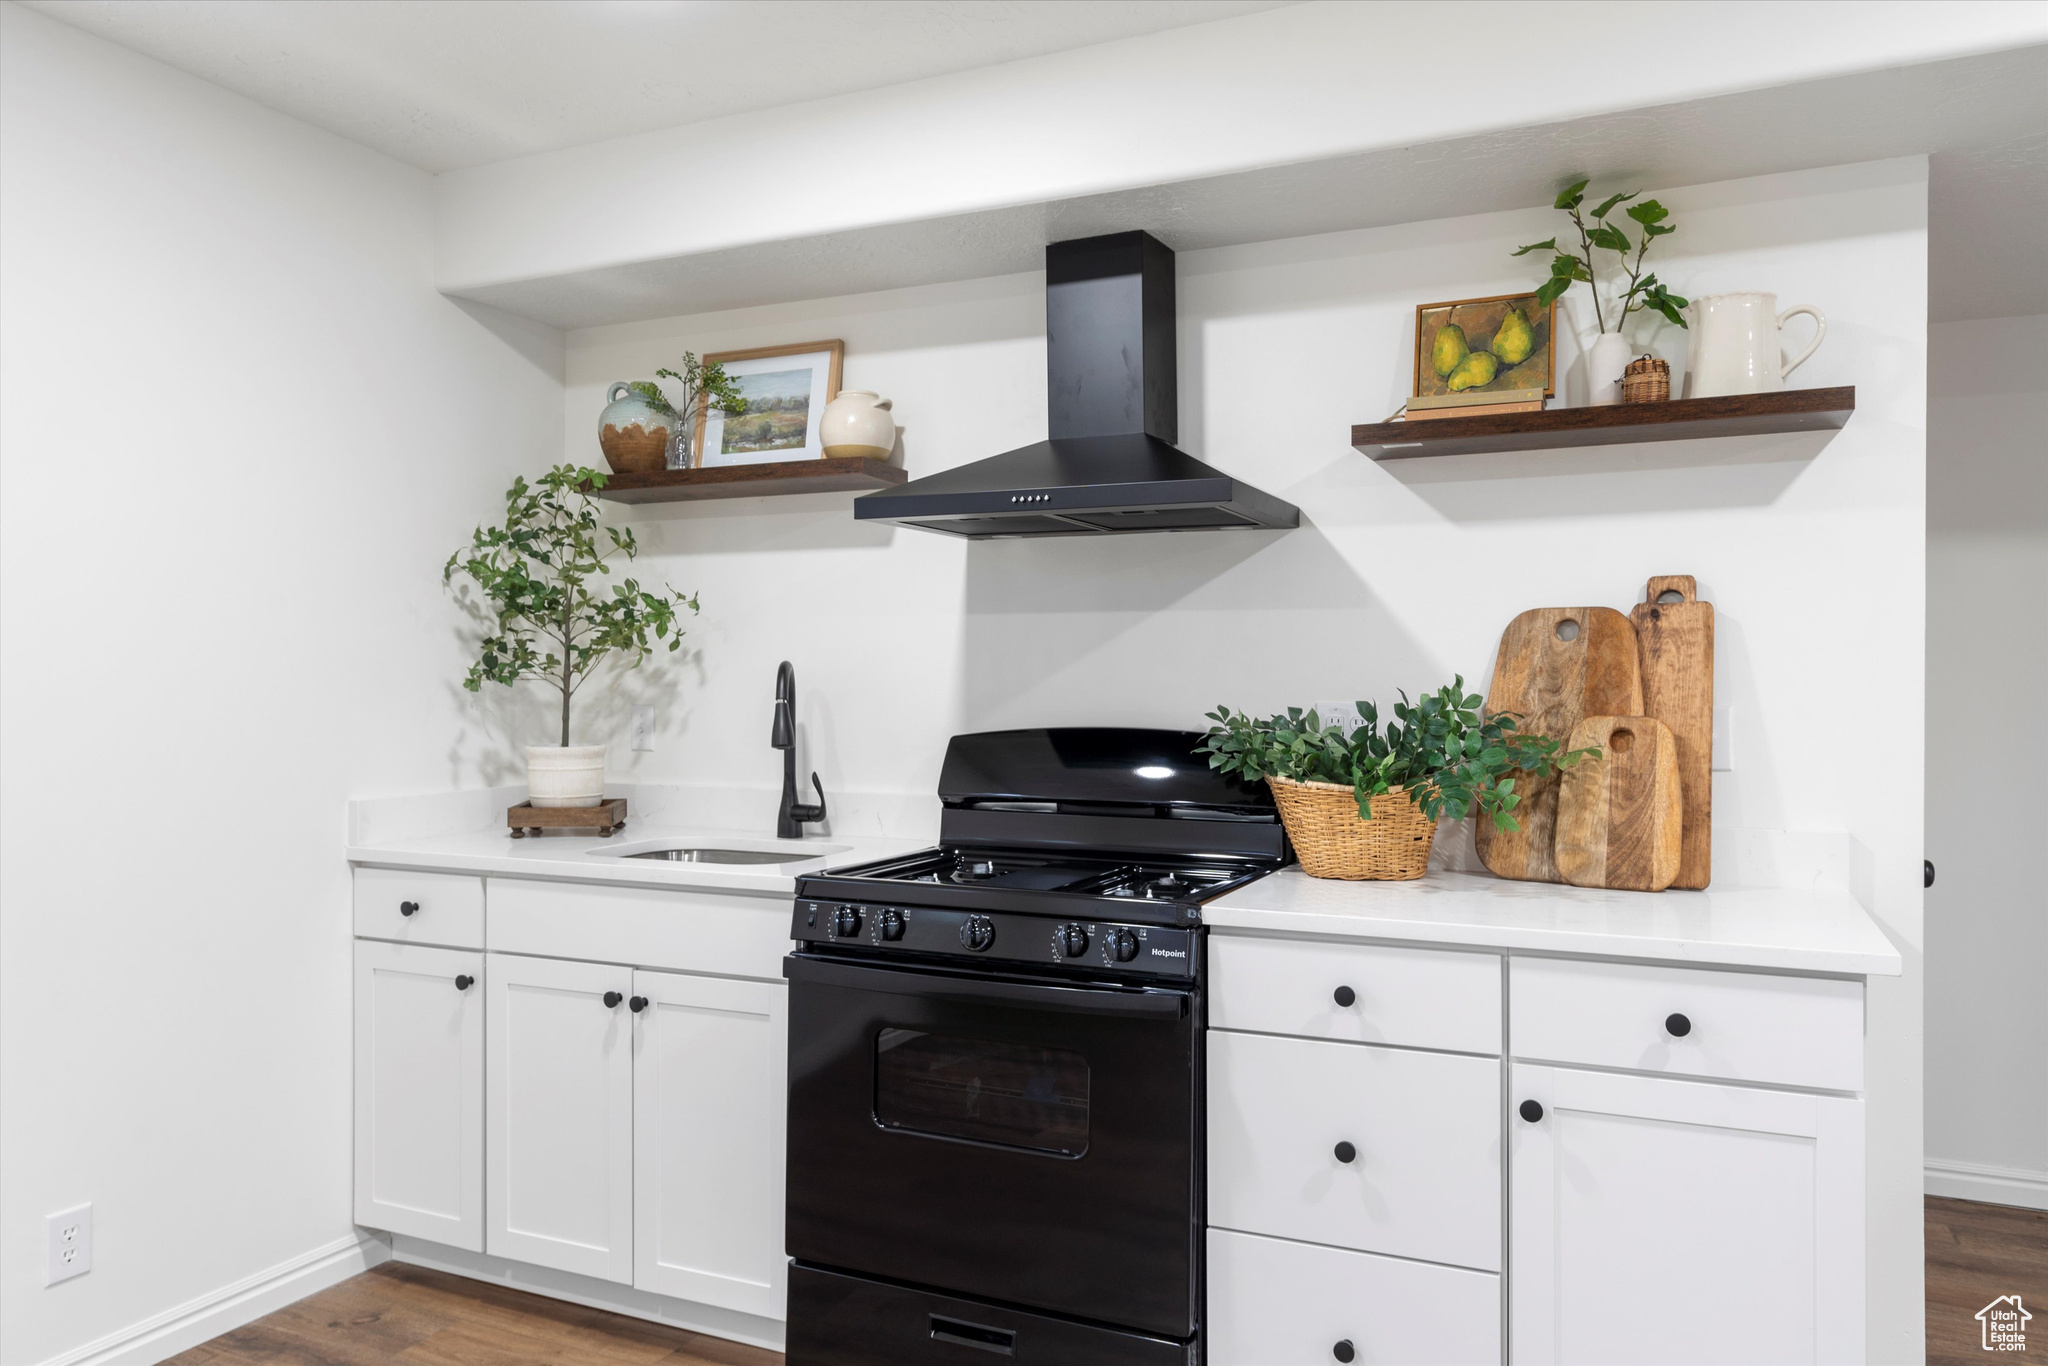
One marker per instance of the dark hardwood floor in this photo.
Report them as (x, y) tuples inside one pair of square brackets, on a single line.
[(397, 1313), (1975, 1253)]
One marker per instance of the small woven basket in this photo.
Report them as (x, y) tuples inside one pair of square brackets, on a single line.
[(1331, 841), (1646, 380)]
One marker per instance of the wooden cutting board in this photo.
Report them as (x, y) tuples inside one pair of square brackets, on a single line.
[(1557, 666), (1619, 817), (1675, 640)]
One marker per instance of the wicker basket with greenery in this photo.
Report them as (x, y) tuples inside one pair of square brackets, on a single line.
[(1365, 804)]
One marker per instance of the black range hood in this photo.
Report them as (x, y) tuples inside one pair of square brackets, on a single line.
[(1110, 463)]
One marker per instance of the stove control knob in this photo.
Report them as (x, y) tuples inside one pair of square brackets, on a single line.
[(892, 923), (846, 922), (977, 932), (1073, 940), (1123, 943)]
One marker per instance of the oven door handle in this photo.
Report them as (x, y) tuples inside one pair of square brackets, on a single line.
[(1154, 1005)]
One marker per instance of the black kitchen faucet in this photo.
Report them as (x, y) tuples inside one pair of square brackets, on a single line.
[(790, 814)]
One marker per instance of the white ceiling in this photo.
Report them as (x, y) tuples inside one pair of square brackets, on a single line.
[(447, 83)]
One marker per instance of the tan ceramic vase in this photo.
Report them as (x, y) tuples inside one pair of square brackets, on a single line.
[(858, 423), (634, 437)]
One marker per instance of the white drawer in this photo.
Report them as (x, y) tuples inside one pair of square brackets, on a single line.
[(1425, 1128), (1418, 998), (691, 931), (445, 908), (1274, 1303), (1743, 1026)]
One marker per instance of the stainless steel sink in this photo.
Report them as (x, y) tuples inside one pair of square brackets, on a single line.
[(726, 855)]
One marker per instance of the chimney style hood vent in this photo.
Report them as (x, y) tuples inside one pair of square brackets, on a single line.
[(1110, 463)]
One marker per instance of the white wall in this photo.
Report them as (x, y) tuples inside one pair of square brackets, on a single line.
[(239, 431), (1987, 657), (1400, 575)]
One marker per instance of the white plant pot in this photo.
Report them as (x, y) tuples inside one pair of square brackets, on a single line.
[(565, 775), (1606, 360)]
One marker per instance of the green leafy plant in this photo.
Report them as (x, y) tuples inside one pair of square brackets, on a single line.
[(705, 386), (1442, 751), (536, 573), (1644, 291)]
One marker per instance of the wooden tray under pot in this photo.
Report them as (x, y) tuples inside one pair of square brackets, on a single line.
[(607, 818)]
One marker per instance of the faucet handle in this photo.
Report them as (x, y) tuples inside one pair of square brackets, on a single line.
[(806, 813)]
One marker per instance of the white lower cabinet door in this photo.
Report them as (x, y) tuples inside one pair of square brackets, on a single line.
[(1659, 1221), (1379, 1149), (560, 1105), (419, 1064), (1279, 1303), (711, 1055)]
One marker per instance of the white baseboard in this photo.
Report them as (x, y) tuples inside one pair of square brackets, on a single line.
[(1993, 1185), (188, 1325), (730, 1324)]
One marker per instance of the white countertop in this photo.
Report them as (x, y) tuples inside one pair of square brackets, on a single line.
[(1799, 931), (594, 859)]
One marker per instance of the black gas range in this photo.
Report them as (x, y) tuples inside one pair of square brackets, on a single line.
[(995, 1107)]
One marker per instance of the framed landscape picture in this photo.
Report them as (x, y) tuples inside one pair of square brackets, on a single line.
[(786, 388), (1485, 347)]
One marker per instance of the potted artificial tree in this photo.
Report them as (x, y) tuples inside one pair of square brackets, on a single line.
[(1364, 804), (536, 573)]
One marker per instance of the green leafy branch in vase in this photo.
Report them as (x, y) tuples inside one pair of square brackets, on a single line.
[(1644, 291), (705, 387), (535, 572), (1448, 756)]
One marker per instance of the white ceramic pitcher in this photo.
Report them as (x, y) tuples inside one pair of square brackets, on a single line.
[(1734, 348)]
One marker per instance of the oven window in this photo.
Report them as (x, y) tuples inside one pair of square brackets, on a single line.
[(985, 1092)]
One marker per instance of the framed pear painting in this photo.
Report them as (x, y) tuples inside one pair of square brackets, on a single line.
[(1485, 347)]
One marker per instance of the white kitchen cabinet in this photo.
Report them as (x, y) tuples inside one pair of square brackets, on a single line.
[(1421, 1132), (1279, 1303), (709, 1069), (559, 1101), (419, 1088), (1663, 1221)]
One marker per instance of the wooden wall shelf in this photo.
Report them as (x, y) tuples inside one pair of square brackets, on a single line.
[(1792, 410), (832, 475)]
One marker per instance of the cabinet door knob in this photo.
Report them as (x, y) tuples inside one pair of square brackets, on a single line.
[(408, 907), (637, 1004), (1346, 1153), (1344, 1351), (1345, 996), (1677, 1026), (1532, 1110), (612, 999), (464, 982)]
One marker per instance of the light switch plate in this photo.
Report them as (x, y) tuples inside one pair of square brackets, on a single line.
[(1724, 739), (643, 728), (70, 1244)]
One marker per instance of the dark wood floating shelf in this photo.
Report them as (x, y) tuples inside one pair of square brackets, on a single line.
[(1686, 419), (832, 475)]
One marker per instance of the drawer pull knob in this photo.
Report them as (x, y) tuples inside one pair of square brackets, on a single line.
[(1344, 1351), (1677, 1026), (408, 908), (1345, 996), (637, 1004), (612, 999), (1532, 1110), (464, 982), (1346, 1153)]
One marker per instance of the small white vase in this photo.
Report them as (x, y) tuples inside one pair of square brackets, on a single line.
[(1606, 360), (857, 423), (565, 775)]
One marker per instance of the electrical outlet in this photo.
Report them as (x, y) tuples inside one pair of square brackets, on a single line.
[(643, 728), (70, 1244), (1343, 714), (1724, 739)]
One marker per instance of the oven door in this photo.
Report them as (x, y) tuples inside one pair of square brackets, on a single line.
[(1022, 1140)]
